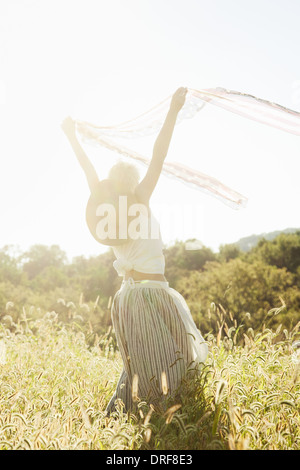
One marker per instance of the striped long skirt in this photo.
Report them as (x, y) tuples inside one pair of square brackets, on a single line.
[(158, 341)]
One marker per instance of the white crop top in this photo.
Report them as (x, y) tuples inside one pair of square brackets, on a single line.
[(143, 254)]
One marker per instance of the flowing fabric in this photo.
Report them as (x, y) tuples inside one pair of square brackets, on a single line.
[(248, 106)]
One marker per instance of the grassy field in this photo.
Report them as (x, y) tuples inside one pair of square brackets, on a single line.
[(57, 379)]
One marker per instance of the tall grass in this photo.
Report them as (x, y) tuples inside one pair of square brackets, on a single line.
[(55, 384)]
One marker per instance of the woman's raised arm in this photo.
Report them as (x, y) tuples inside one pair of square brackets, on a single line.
[(160, 149), (68, 127)]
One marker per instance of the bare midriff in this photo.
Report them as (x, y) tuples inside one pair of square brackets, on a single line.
[(137, 276)]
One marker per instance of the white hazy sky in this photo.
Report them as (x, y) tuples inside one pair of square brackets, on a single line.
[(106, 61)]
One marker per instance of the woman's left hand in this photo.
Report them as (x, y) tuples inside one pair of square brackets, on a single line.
[(68, 126)]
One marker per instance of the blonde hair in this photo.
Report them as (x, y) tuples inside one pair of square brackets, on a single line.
[(124, 176)]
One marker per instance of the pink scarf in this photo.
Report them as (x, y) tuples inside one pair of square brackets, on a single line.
[(151, 122)]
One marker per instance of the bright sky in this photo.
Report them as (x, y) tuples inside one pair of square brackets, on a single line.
[(108, 60)]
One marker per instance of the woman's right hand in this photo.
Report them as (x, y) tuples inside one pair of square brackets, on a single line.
[(178, 99), (68, 126)]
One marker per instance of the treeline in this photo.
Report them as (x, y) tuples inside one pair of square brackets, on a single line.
[(231, 287), (254, 288)]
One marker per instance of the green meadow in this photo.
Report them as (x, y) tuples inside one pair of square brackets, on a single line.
[(60, 363), (55, 385)]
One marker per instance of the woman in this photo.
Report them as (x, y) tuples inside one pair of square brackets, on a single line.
[(157, 337)]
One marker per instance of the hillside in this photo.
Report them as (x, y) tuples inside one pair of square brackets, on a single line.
[(247, 243)]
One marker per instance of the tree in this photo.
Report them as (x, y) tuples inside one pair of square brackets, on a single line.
[(241, 288), (180, 260), (9, 268), (229, 251), (39, 257), (283, 251)]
